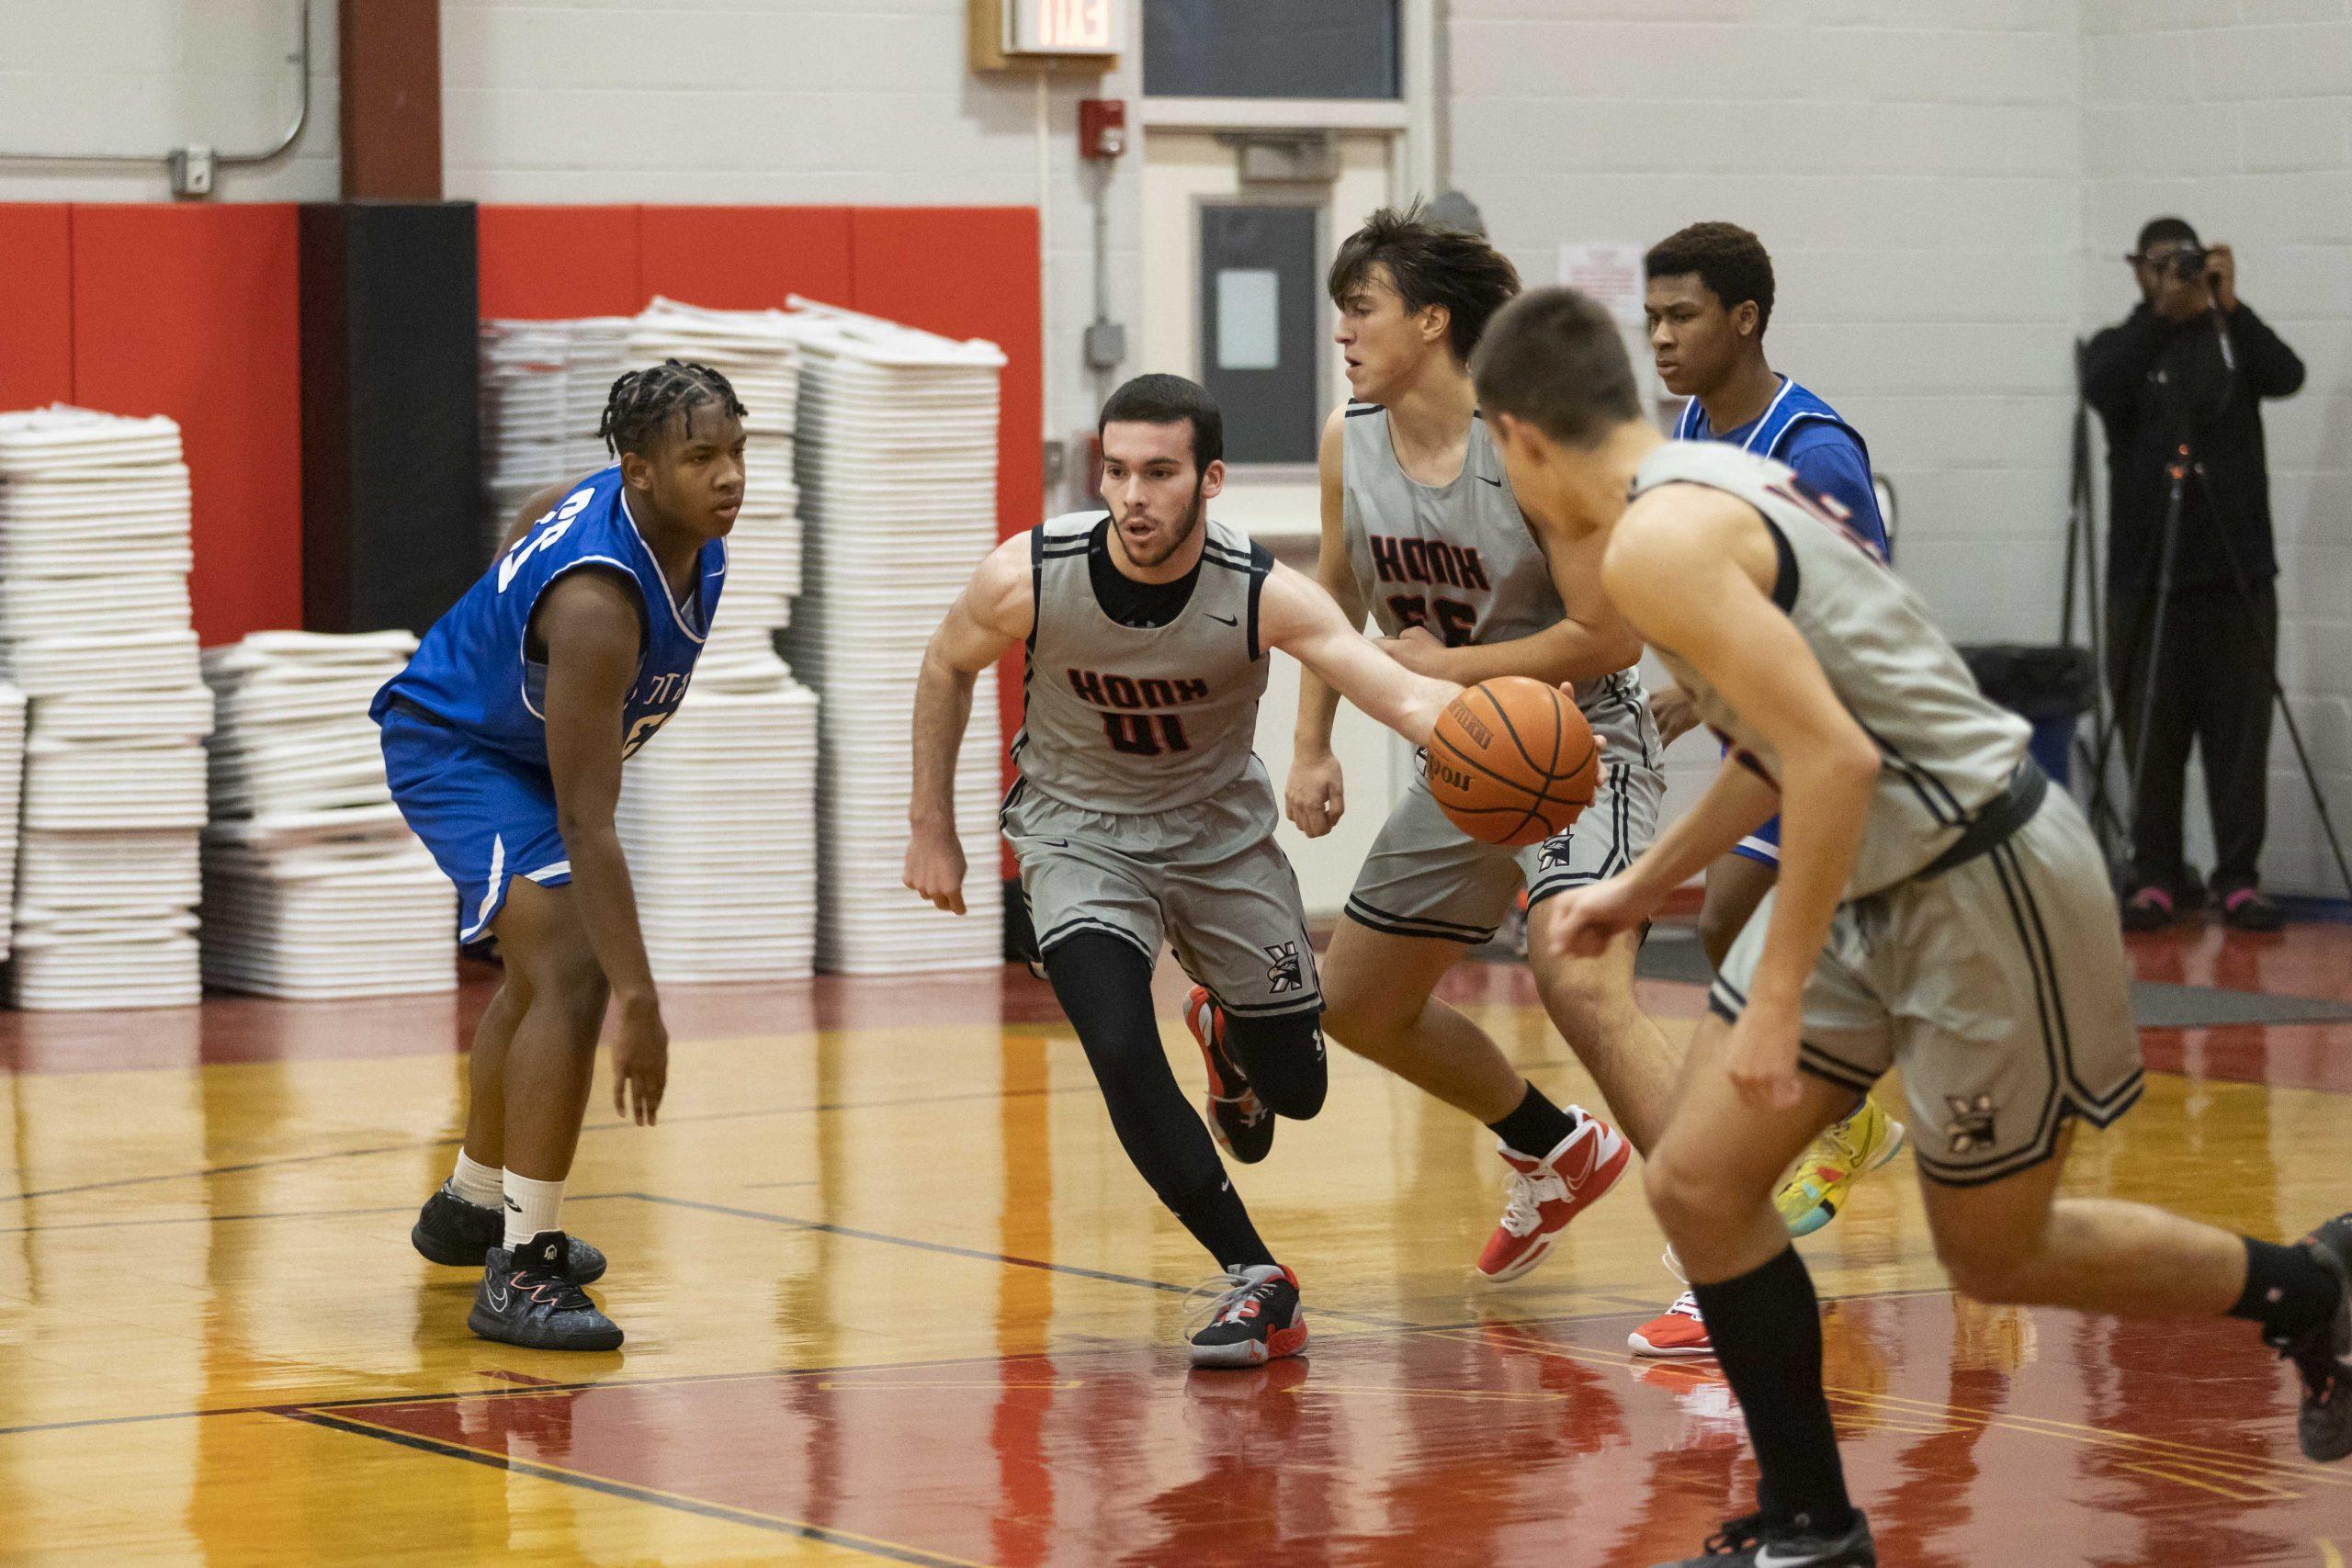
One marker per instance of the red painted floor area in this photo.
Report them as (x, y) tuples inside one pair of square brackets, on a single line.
[(1978, 1436)]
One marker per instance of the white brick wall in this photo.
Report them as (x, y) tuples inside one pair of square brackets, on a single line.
[(146, 77), (2238, 117), (792, 101), (1915, 171)]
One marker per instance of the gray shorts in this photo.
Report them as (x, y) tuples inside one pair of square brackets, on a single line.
[(2000, 987), (1208, 877), (1427, 877)]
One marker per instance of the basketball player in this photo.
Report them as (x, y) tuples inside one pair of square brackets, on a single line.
[(1939, 908), (1420, 528), (1710, 298), (504, 741), (1142, 812)]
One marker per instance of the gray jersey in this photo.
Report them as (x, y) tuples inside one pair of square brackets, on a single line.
[(1948, 749), (1125, 720), (1457, 558)]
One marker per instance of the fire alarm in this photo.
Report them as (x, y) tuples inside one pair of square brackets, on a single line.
[(1102, 127)]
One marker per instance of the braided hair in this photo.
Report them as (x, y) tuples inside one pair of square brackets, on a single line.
[(641, 402)]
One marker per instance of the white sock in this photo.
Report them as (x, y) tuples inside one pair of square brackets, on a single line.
[(477, 1183), (531, 1207)]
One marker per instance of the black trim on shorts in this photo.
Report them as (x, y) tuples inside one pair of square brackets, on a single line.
[(2045, 1144), (1835, 1069), (1365, 914), (1270, 1010), (1076, 923)]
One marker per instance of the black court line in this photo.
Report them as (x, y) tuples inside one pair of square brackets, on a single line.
[(206, 1219), (1629, 1308), (623, 1489), (279, 1161)]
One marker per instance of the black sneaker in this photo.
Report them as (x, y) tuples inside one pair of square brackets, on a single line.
[(1745, 1543), (2324, 1355), (450, 1231), (1242, 1125), (2250, 910), (2149, 909), (527, 1299), (1255, 1318)]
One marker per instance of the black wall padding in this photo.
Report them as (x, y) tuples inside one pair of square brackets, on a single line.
[(391, 420)]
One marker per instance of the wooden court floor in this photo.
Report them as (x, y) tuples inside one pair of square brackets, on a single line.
[(892, 1293)]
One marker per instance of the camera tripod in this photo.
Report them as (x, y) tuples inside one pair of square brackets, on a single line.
[(2181, 470)]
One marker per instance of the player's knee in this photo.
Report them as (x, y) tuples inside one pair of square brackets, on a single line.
[(1718, 928), (1993, 1268), (1283, 1058), (1686, 1191)]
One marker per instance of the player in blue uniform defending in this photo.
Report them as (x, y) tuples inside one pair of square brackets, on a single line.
[(1710, 298), (504, 741)]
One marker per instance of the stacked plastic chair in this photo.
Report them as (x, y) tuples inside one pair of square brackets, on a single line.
[(95, 630), (313, 886), (898, 470)]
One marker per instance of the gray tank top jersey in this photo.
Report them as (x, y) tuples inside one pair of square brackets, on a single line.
[(1948, 749), (1455, 557), (1128, 720)]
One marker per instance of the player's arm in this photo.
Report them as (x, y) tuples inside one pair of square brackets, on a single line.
[(1314, 795), (538, 506), (590, 623), (1591, 640), (1677, 568), (1298, 617), (995, 611)]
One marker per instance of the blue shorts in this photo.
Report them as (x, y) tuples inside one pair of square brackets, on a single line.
[(487, 817), (1762, 846)]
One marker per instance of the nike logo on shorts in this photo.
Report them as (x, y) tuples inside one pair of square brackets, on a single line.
[(1228, 620), (1496, 483)]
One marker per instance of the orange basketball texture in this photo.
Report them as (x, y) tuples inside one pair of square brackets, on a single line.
[(1512, 761)]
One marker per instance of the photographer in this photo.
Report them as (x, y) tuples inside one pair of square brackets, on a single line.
[(2192, 362)]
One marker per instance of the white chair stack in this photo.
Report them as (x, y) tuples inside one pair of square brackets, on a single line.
[(12, 789), (716, 817), (313, 886), (753, 349), (523, 412), (898, 470), (95, 630)]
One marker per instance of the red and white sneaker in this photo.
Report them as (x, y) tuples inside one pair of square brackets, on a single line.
[(1680, 1332), (1255, 1318), (1546, 1194), (1237, 1119)]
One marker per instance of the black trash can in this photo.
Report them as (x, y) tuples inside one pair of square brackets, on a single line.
[(2050, 688)]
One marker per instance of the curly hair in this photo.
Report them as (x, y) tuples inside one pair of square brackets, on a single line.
[(1729, 260), (638, 409), (1430, 263)]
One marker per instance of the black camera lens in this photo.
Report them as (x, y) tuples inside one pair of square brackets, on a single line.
[(2187, 264)]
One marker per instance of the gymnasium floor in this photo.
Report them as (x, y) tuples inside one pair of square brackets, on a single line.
[(892, 1292)]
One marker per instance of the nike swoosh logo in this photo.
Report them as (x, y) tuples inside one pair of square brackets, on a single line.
[(1056, 844), (498, 1298), (1496, 483), (1228, 620), (514, 1206), (1769, 1557)]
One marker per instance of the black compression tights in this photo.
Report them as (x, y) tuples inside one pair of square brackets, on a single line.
[(1104, 985)]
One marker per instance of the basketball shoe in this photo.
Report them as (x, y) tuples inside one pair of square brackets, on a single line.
[(1546, 1194), (1840, 1157), (1243, 1126), (1254, 1319), (450, 1231), (1745, 1542), (2324, 1355), (527, 1299), (1677, 1332)]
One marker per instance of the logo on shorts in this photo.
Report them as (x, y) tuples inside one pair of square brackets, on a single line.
[(1555, 856), (1971, 1123), (1285, 973)]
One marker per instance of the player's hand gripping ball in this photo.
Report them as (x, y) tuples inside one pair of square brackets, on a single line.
[(1511, 761)]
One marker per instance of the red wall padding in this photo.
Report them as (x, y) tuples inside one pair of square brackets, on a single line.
[(36, 305), (192, 312), (546, 262), (745, 258)]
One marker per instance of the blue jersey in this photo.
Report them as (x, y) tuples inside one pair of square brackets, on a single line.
[(1801, 430), (474, 672)]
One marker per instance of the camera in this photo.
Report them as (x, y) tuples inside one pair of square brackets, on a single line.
[(2187, 264)]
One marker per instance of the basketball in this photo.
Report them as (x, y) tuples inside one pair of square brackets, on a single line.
[(1512, 761)]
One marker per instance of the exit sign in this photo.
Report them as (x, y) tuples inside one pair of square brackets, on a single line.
[(1051, 35), (1061, 27)]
